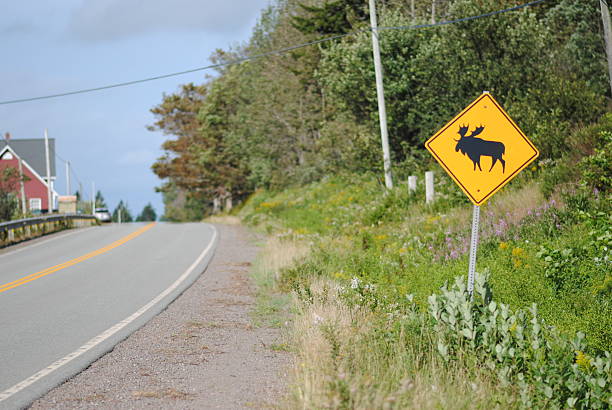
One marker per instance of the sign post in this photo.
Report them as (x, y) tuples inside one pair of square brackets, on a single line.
[(490, 151)]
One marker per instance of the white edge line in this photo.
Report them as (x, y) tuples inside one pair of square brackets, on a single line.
[(109, 332)]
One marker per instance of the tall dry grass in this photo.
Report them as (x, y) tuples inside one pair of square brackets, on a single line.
[(343, 361), (223, 219), (278, 253), (273, 305)]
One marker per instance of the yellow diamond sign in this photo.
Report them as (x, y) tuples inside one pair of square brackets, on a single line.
[(482, 149)]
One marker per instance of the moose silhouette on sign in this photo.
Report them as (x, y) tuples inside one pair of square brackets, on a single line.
[(477, 147)]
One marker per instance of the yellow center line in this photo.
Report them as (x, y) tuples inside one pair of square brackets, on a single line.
[(52, 269)]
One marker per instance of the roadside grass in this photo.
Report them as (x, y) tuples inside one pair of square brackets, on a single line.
[(538, 250), (272, 305), (223, 219), (351, 357), (382, 318)]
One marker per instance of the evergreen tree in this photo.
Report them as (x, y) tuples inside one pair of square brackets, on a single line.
[(148, 214), (126, 215), (100, 203)]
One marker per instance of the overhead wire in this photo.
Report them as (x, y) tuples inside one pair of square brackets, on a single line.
[(267, 54)]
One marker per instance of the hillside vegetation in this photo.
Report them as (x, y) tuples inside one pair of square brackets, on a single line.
[(382, 300)]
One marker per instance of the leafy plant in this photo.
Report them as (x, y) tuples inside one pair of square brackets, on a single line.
[(549, 369)]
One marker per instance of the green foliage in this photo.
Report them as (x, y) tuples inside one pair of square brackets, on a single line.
[(586, 160), (148, 214), (549, 369), (394, 240), (100, 202), (560, 265), (293, 118), (336, 17), (597, 168), (9, 204), (122, 210)]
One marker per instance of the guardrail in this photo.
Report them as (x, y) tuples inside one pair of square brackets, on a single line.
[(24, 229)]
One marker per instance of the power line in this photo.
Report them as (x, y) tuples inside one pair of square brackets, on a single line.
[(267, 54)]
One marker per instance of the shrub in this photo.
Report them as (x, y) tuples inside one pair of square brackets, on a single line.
[(549, 369)]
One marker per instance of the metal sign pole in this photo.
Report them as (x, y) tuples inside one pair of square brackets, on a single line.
[(473, 248)]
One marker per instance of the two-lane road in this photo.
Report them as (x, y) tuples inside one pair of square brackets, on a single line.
[(69, 299)]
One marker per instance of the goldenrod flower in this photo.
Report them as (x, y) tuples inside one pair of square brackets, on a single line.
[(583, 360)]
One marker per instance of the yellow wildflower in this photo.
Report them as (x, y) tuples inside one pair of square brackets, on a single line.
[(380, 237), (503, 245), (403, 250), (583, 360), (517, 252)]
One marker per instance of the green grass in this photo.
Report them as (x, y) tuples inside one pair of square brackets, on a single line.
[(395, 241), (545, 240)]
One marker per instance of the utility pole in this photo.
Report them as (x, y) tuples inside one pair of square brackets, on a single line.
[(382, 110), (93, 197), (433, 11), (68, 178), (49, 195), (605, 18)]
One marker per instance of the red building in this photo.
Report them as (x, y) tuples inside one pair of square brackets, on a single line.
[(31, 153)]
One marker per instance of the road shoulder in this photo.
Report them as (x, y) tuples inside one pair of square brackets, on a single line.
[(201, 352)]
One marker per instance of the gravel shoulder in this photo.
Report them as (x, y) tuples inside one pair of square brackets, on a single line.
[(202, 352)]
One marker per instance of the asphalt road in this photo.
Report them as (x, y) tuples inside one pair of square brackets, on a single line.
[(67, 300)]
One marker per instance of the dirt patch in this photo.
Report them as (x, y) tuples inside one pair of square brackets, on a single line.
[(201, 353)]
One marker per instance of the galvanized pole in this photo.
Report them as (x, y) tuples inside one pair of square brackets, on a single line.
[(49, 195), (474, 244), (473, 248), (605, 18), (382, 111), (93, 198)]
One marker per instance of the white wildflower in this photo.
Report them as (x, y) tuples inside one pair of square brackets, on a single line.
[(354, 283), (317, 320)]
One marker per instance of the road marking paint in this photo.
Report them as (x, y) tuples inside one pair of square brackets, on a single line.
[(109, 332), (52, 269)]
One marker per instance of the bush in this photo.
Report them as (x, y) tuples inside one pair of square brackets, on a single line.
[(549, 369)]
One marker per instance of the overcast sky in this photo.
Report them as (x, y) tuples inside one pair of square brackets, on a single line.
[(65, 45)]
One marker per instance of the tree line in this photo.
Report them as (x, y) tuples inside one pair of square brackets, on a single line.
[(121, 213), (294, 117)]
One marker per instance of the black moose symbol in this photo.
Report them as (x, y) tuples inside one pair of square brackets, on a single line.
[(477, 147)]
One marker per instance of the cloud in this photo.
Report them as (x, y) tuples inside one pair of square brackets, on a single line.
[(108, 20)]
